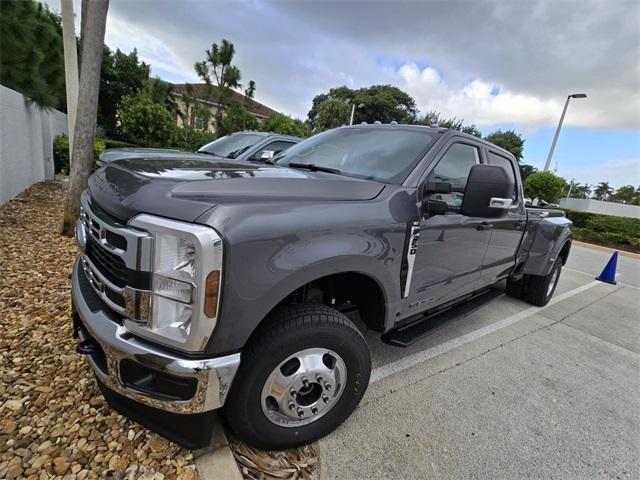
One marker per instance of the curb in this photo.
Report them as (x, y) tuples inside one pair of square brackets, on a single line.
[(593, 246), (217, 461)]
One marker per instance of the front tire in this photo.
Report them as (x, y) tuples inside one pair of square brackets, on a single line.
[(301, 376)]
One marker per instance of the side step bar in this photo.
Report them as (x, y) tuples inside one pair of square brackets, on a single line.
[(409, 334)]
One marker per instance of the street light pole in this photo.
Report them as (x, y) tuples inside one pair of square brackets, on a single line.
[(555, 138), (353, 110)]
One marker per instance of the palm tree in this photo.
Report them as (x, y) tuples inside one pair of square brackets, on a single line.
[(581, 191), (603, 191), (218, 68), (86, 116)]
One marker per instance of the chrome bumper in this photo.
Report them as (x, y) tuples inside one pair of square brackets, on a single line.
[(213, 375)]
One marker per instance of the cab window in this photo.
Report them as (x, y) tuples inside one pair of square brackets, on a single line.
[(505, 163), (453, 168)]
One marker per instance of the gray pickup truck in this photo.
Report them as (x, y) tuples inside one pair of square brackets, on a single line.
[(205, 285)]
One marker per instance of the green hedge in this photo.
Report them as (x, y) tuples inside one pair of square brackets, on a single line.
[(620, 232), (61, 152)]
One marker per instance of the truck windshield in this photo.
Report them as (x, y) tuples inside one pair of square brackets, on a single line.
[(232, 145), (384, 154)]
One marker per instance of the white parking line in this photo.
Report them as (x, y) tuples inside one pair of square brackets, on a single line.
[(419, 357)]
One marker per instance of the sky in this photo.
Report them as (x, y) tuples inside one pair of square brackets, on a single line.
[(499, 65)]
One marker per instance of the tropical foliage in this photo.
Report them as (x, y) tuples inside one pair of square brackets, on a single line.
[(383, 103), (31, 53), (280, 123)]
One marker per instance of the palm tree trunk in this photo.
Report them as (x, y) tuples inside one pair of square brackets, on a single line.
[(85, 128)]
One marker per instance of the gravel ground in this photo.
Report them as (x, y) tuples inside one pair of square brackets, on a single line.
[(53, 421)]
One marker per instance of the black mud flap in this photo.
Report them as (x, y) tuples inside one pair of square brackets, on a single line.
[(192, 431), (409, 334)]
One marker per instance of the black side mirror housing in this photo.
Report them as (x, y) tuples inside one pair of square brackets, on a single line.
[(437, 187), (435, 207), (484, 183)]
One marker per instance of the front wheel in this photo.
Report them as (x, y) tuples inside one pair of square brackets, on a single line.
[(301, 376)]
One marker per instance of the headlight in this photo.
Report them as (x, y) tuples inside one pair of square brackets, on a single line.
[(184, 301)]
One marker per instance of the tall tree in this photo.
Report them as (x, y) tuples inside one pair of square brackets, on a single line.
[(220, 76), (31, 52), (85, 131), (624, 194), (332, 113), (250, 91), (602, 191), (122, 75), (435, 119), (580, 191), (526, 170), (383, 103), (511, 141)]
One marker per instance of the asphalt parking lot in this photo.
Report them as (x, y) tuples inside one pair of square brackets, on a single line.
[(510, 391)]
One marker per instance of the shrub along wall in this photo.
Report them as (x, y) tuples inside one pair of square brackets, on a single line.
[(616, 232), (61, 152)]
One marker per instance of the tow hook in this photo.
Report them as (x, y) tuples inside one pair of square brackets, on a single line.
[(87, 347)]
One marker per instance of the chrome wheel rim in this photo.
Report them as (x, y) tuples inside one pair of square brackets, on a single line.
[(304, 387), (552, 282)]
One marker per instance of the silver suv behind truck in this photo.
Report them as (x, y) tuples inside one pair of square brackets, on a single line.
[(203, 285), (246, 145)]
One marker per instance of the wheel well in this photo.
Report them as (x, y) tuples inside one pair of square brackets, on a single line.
[(564, 253), (351, 293)]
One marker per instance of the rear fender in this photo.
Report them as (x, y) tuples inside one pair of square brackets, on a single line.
[(549, 238)]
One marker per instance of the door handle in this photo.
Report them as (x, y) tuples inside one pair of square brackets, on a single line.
[(484, 226), (520, 224)]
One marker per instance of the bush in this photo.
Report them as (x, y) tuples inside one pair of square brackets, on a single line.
[(544, 185), (146, 123), (621, 232), (61, 152), (190, 139), (279, 123)]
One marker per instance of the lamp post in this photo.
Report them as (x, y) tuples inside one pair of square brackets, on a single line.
[(555, 138), (353, 111)]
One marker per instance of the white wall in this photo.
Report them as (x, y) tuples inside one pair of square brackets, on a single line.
[(597, 206), (26, 143)]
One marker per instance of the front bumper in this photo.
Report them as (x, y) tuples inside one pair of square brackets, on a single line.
[(210, 378)]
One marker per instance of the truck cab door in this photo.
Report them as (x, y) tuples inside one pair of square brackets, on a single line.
[(449, 246), (507, 230)]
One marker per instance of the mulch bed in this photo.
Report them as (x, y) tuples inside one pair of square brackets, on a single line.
[(53, 421)]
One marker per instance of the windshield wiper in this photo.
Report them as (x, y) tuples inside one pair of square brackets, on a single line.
[(208, 153), (313, 167)]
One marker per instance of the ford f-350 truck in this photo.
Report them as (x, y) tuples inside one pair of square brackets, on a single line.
[(228, 285)]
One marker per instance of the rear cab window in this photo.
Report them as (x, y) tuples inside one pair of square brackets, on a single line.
[(504, 162)]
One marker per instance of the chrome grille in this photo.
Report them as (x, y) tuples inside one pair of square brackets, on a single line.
[(110, 251), (109, 264)]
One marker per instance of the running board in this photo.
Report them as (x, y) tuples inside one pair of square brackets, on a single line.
[(407, 335)]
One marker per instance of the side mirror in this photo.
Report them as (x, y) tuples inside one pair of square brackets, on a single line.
[(488, 192), (267, 154)]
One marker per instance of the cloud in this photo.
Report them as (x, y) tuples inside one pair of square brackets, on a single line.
[(617, 172), (478, 101), (485, 61)]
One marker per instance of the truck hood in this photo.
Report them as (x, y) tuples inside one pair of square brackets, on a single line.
[(185, 188), (113, 154)]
